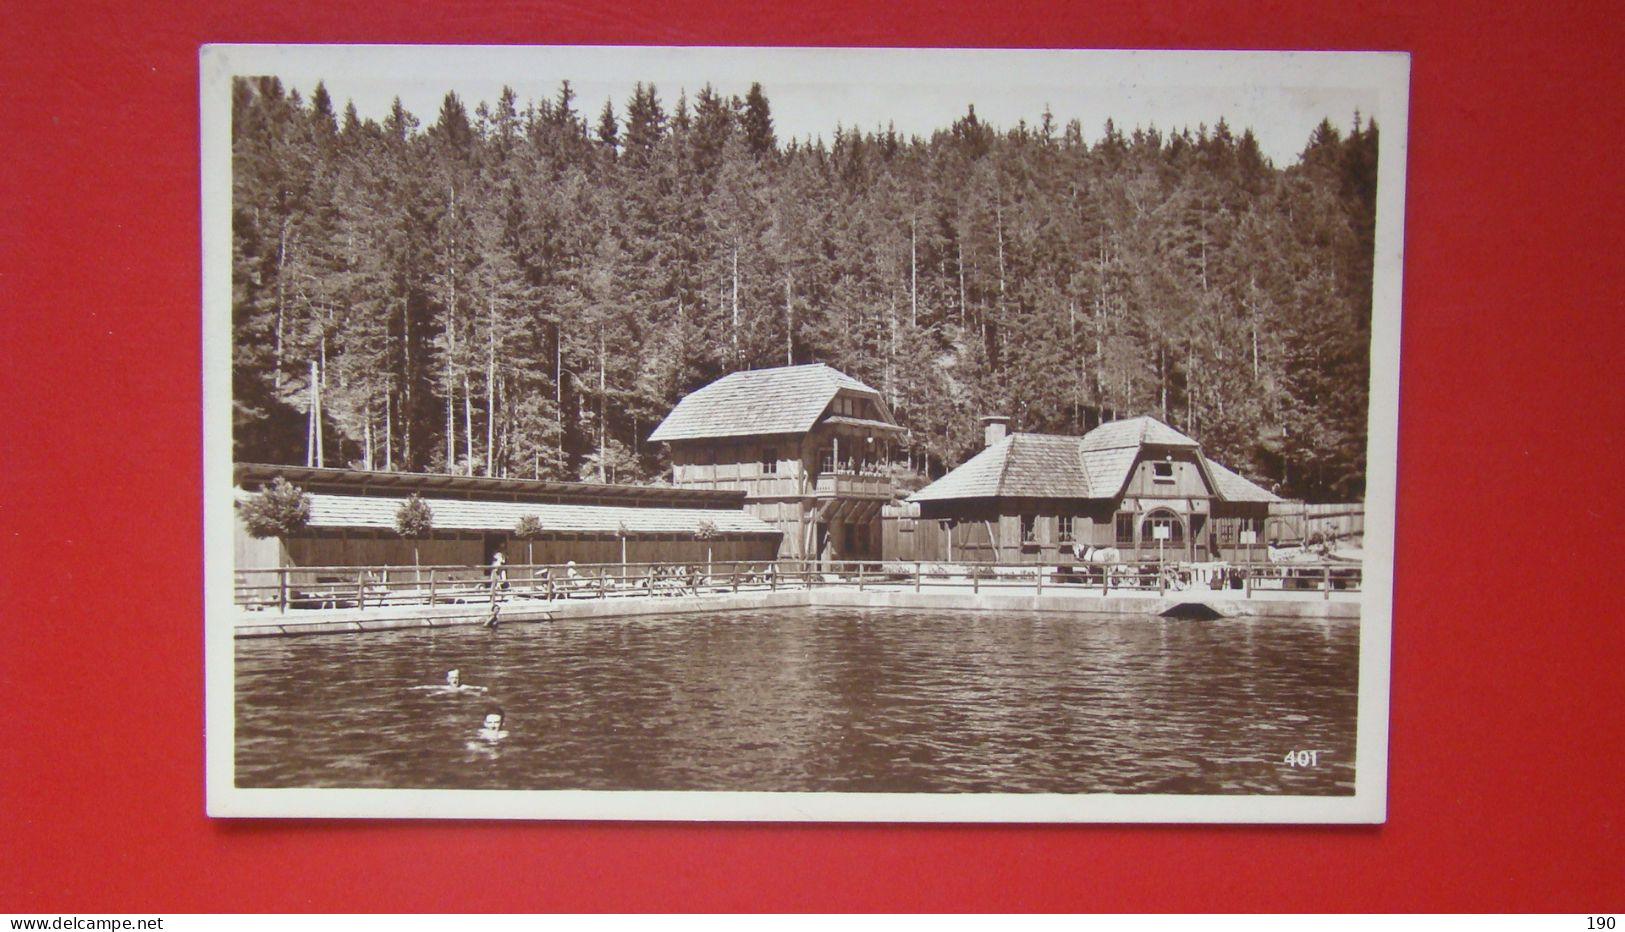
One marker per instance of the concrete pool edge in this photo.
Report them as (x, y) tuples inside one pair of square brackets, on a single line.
[(250, 624)]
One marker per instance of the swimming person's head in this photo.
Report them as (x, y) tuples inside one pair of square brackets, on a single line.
[(454, 678), (494, 719)]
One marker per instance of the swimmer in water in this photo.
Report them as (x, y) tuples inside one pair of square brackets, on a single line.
[(454, 684), (492, 729)]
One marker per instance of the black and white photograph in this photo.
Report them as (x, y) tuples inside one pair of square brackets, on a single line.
[(800, 434)]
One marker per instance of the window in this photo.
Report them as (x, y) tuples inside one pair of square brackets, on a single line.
[(1063, 529), (1162, 472), (1125, 529), (1029, 529), (770, 461), (1172, 531)]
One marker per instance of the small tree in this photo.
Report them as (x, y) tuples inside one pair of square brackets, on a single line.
[(279, 510), (707, 531), (413, 521), (528, 529)]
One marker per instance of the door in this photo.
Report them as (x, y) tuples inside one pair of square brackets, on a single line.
[(494, 544)]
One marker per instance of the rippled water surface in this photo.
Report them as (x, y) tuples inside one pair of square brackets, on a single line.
[(854, 700)]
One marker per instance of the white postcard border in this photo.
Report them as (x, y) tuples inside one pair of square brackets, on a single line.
[(1386, 73)]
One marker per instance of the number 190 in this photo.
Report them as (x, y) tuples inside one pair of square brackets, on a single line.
[(1599, 922)]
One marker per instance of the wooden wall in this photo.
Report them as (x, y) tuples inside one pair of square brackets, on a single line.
[(249, 552), (1291, 522), (383, 548), (990, 531), (1185, 482)]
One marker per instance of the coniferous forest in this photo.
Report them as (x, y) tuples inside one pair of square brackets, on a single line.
[(525, 289)]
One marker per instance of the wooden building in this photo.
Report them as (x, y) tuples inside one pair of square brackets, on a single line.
[(809, 446), (1135, 484), (352, 521)]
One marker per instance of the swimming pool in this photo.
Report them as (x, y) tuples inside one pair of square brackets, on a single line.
[(812, 699)]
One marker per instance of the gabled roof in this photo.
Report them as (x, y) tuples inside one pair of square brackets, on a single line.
[(1110, 469), (784, 400), (1036, 465), (458, 514), (1134, 432), (1233, 487), (1096, 465)]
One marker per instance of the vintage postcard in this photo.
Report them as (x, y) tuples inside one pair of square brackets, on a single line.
[(800, 434)]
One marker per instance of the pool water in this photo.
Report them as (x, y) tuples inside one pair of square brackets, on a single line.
[(812, 699)]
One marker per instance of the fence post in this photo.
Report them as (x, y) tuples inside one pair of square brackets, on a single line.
[(975, 580), (282, 589), (773, 577), (733, 578), (1162, 580), (860, 577), (361, 588), (550, 584), (1038, 576), (1247, 578), (431, 586), (1326, 581), (916, 575), (603, 591)]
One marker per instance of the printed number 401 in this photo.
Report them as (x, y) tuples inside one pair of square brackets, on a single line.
[(1301, 759)]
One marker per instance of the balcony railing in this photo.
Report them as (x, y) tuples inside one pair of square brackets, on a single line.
[(852, 485)]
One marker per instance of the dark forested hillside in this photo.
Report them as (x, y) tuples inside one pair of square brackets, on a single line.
[(526, 290)]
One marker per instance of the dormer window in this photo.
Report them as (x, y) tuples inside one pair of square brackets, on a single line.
[(1162, 471), (770, 461)]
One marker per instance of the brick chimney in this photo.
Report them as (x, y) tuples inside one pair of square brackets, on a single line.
[(994, 428)]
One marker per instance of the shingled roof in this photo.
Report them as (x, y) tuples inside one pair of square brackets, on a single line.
[(1096, 465), (1234, 487), (1038, 465), (1134, 432), (457, 514), (785, 400)]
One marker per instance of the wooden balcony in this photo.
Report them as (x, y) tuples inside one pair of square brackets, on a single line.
[(852, 485)]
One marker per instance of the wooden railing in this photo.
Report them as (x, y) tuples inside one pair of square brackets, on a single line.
[(349, 587), (853, 485)]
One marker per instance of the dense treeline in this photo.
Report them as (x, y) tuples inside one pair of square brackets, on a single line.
[(527, 291)]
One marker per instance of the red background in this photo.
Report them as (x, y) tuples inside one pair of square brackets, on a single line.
[(1506, 774)]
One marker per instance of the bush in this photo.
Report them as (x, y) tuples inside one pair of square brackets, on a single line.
[(279, 510), (414, 519)]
